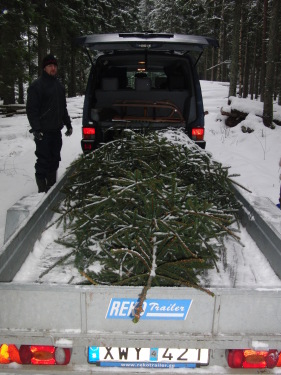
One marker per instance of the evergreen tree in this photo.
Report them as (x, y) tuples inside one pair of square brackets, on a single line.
[(41, 37), (12, 48), (29, 29), (145, 10), (255, 53), (271, 62), (235, 48), (145, 211), (263, 54)]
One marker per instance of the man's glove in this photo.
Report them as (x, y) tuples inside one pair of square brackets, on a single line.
[(69, 131), (38, 135)]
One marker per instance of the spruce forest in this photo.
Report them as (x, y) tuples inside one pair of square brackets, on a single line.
[(248, 32), (144, 211)]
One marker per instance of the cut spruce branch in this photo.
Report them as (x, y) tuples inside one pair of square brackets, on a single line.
[(153, 211)]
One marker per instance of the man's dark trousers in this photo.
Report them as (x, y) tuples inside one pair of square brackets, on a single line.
[(48, 158)]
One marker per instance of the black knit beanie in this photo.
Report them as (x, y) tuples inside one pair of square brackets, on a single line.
[(49, 59)]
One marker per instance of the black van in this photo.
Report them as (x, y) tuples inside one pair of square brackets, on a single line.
[(143, 81)]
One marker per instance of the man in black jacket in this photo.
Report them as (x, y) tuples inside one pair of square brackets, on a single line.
[(47, 114)]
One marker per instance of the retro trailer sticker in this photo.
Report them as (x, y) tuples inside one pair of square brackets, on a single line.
[(153, 309)]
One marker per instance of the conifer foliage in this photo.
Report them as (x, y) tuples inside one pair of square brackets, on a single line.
[(149, 211)]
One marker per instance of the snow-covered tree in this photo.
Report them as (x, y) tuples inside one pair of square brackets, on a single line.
[(272, 58), (144, 210), (29, 29)]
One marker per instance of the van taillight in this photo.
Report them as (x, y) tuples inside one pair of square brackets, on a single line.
[(89, 133), (87, 147), (248, 358), (197, 134), (34, 355)]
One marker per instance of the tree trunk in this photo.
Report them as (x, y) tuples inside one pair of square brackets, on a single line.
[(241, 49), (257, 83), (246, 72), (279, 80), (21, 91), (42, 34), (255, 54), (220, 71), (263, 67), (235, 48), (8, 59), (277, 77), (270, 67), (72, 75)]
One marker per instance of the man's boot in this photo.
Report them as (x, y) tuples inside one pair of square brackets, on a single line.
[(51, 179), (41, 183)]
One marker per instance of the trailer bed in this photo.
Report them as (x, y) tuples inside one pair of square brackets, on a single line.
[(242, 264), (51, 311)]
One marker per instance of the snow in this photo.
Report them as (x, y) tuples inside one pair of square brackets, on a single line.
[(254, 156), (17, 157)]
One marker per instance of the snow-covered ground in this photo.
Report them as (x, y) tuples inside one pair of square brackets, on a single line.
[(254, 156), (17, 157)]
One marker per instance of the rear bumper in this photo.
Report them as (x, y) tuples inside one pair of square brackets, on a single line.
[(107, 133), (201, 144)]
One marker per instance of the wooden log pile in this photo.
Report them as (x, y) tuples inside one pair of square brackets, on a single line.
[(9, 110), (235, 116)]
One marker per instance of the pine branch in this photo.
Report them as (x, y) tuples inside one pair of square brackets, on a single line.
[(133, 253), (242, 187), (158, 211), (58, 262), (190, 285), (142, 298), (88, 277), (179, 239)]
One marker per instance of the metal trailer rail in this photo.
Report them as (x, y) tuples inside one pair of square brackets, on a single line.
[(15, 251), (261, 218), (77, 316)]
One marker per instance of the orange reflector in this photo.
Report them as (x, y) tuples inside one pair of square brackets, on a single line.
[(4, 354), (279, 361), (249, 358), (34, 354), (14, 354), (9, 353), (197, 134)]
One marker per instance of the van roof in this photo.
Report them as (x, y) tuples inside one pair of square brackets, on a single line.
[(147, 41)]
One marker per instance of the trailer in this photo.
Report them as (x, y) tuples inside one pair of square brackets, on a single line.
[(65, 329)]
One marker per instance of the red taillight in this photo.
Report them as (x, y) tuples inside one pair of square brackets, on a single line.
[(235, 358), (272, 359), (42, 355), (89, 133), (25, 354), (34, 354), (87, 146), (197, 134), (248, 358)]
